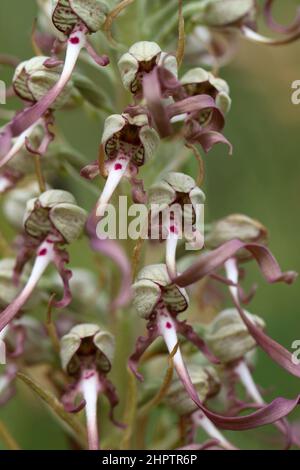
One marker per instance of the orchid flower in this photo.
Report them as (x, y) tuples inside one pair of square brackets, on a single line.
[(227, 255), (142, 59), (86, 354), (159, 301), (207, 385), (177, 195), (230, 340), (128, 143), (76, 19), (50, 220)]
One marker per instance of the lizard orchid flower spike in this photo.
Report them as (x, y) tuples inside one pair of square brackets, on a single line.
[(50, 220), (76, 19), (229, 339), (128, 143), (228, 253), (178, 196), (207, 384), (159, 301), (87, 353)]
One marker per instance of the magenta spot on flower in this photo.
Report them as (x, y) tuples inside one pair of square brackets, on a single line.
[(89, 374), (168, 325), (43, 252), (173, 229), (118, 166), (74, 40)]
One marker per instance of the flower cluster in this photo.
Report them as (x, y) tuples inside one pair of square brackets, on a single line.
[(163, 96)]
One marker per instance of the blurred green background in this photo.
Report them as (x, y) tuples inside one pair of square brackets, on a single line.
[(261, 179)]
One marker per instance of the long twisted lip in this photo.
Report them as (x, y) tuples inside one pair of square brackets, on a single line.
[(45, 256)]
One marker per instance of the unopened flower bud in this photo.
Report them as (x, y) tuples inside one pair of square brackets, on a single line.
[(58, 209), (206, 383), (35, 77), (228, 336), (69, 14), (152, 285), (220, 13), (236, 226), (87, 346), (198, 81), (141, 59)]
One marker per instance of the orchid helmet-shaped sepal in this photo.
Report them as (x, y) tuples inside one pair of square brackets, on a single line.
[(228, 336), (153, 286), (87, 353), (70, 14), (54, 209), (206, 382), (141, 59), (199, 81), (180, 200), (50, 220), (234, 226), (86, 342), (224, 13), (128, 142), (35, 77)]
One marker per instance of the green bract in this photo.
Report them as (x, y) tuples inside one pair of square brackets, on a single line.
[(54, 209), (67, 14), (141, 58), (152, 285), (228, 336), (87, 345), (129, 135)]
